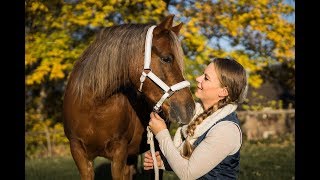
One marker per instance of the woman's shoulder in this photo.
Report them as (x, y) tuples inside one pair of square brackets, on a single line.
[(226, 127)]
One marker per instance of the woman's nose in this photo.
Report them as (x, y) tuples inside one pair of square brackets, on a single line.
[(199, 79)]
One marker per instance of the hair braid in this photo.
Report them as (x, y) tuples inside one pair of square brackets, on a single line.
[(188, 148)]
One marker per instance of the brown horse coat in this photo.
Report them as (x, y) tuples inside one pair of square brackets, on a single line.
[(104, 113)]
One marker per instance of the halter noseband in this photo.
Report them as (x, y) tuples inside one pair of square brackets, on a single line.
[(147, 72)]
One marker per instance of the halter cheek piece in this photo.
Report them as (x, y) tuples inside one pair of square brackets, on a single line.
[(147, 72)]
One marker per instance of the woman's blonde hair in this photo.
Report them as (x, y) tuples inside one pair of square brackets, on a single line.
[(231, 75)]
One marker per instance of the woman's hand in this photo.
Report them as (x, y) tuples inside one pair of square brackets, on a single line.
[(156, 123), (148, 161)]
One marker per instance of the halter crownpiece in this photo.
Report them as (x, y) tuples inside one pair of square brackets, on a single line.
[(147, 72)]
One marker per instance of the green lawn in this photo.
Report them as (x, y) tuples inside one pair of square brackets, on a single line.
[(259, 160), (267, 161)]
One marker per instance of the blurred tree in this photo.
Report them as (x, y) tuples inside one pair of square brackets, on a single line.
[(56, 33), (255, 32)]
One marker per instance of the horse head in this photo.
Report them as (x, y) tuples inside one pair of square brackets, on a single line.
[(162, 74)]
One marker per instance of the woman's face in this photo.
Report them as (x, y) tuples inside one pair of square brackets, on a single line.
[(209, 89)]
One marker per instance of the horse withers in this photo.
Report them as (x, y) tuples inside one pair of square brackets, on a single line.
[(113, 88)]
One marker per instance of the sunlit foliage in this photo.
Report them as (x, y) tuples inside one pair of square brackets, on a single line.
[(257, 33)]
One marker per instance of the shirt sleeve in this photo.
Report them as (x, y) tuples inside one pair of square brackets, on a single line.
[(222, 140)]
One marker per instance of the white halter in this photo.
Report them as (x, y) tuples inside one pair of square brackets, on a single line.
[(168, 91)]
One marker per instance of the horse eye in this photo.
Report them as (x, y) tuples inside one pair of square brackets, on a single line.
[(167, 59)]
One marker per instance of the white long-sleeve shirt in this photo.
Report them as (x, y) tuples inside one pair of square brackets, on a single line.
[(222, 140)]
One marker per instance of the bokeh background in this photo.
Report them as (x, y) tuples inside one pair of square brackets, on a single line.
[(259, 34)]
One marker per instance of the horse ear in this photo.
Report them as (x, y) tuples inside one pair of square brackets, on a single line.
[(177, 28), (165, 25)]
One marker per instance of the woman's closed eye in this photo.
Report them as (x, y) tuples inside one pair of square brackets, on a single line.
[(206, 77)]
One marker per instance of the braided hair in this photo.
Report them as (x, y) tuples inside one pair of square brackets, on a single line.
[(231, 75)]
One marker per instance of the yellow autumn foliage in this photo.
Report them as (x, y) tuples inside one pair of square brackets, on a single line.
[(52, 40), (56, 34), (248, 25), (254, 32)]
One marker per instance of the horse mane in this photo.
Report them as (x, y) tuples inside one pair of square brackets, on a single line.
[(103, 67)]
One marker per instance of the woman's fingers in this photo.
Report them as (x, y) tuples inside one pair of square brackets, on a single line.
[(159, 160), (148, 161), (156, 115), (148, 155), (147, 166), (152, 115), (156, 123)]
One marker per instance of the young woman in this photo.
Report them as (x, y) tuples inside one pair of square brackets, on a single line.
[(209, 146)]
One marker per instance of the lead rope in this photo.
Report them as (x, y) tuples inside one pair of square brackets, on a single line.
[(153, 153), (168, 91)]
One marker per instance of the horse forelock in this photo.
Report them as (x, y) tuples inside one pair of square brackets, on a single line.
[(104, 65)]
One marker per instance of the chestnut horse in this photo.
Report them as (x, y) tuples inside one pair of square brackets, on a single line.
[(105, 114)]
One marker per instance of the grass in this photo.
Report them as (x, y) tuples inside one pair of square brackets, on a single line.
[(267, 160), (259, 160)]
